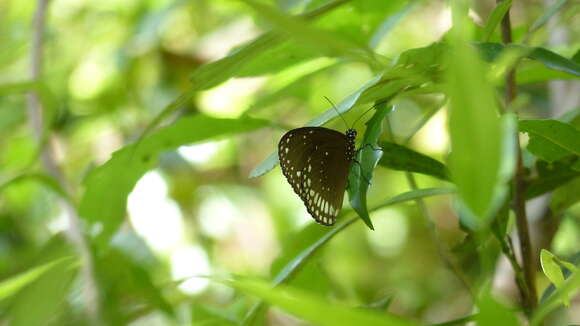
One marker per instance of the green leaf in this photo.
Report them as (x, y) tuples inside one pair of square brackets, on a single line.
[(342, 107), (291, 82), (551, 139), (273, 60), (128, 282), (315, 309), (248, 59), (566, 196), (11, 286), (388, 24), (373, 15), (295, 257), (576, 57), (208, 316), (399, 157), (415, 70), (295, 245), (535, 72), (475, 131), (360, 174), (553, 272), (551, 176), (552, 298), (493, 313), (494, 19), (548, 13), (317, 39), (44, 297), (41, 178), (507, 161), (491, 51), (381, 304), (413, 195), (107, 187), (217, 72)]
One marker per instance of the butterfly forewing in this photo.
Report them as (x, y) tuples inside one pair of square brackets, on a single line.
[(316, 161)]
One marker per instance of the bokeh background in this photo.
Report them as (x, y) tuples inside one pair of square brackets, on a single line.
[(110, 67)]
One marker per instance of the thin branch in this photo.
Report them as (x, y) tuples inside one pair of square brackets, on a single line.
[(36, 119), (530, 298)]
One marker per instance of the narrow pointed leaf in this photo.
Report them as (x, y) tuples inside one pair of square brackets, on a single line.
[(553, 271), (551, 140), (315, 309), (12, 285), (368, 156), (325, 42), (399, 157), (474, 128), (494, 18)]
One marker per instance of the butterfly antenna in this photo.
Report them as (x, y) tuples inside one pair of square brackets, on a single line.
[(367, 111), (334, 107)]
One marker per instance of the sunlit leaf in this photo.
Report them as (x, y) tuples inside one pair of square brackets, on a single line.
[(217, 72), (12, 285), (207, 316), (325, 42), (553, 271), (570, 286), (43, 297), (507, 161), (42, 179), (475, 130), (389, 23), (551, 139), (493, 313), (315, 309)]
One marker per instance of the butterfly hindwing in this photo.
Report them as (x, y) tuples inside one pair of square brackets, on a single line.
[(316, 161)]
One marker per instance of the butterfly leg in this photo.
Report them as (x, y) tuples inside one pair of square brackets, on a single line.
[(371, 145)]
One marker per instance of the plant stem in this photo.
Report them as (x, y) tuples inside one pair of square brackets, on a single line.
[(519, 186), (35, 113)]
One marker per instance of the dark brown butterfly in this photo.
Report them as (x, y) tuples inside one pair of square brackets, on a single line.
[(316, 161)]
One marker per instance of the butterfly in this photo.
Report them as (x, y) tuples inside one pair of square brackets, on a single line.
[(316, 162)]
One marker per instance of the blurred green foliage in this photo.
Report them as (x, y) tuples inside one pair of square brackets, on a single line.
[(130, 203)]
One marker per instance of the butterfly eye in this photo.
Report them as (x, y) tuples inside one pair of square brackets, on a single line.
[(315, 162)]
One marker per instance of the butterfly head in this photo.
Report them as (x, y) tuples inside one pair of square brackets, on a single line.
[(351, 134)]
